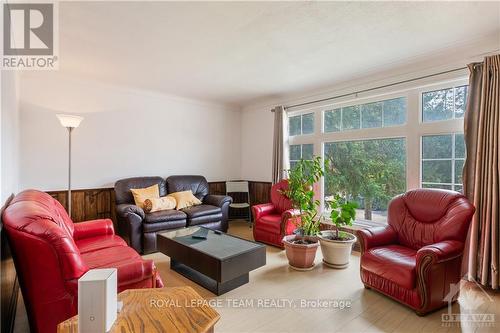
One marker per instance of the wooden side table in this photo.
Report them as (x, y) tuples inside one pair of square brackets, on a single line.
[(178, 309)]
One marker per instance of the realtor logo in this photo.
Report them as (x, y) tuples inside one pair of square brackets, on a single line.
[(471, 311), (29, 32)]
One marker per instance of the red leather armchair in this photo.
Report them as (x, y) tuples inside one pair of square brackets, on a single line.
[(51, 253), (416, 257), (276, 219)]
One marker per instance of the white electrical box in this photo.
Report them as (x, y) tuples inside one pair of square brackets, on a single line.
[(97, 302)]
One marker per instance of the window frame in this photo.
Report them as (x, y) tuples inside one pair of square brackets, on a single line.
[(453, 159), (411, 131), (301, 115)]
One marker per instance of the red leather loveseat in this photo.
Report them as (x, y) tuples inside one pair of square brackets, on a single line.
[(418, 255), (274, 220), (51, 253)]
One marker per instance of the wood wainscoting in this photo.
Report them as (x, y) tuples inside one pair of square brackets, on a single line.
[(98, 203)]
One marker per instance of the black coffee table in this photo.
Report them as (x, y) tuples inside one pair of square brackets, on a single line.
[(219, 263)]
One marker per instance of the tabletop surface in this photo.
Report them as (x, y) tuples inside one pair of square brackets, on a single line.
[(220, 246), (177, 309)]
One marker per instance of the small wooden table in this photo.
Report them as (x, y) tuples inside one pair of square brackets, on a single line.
[(178, 309)]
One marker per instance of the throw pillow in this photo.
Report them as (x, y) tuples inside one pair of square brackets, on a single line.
[(185, 199), (141, 194), (157, 204)]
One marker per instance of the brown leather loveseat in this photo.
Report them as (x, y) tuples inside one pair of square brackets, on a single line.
[(141, 228)]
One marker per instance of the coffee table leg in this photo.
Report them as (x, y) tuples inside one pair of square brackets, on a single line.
[(206, 282)]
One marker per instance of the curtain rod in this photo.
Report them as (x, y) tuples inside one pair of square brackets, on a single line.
[(371, 89)]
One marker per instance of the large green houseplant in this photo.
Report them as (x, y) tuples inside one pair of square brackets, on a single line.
[(301, 247)]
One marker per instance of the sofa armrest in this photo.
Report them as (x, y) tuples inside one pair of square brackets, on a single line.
[(290, 214), (123, 210), (93, 228), (217, 200), (378, 236), (262, 210), (440, 252)]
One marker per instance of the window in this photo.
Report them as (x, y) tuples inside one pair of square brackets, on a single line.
[(381, 145), (298, 152), (391, 112), (301, 124), (444, 104), (443, 158), (369, 172)]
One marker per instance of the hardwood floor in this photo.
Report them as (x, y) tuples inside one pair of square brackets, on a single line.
[(244, 309)]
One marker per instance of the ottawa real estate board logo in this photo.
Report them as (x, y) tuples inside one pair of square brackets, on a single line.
[(30, 36)]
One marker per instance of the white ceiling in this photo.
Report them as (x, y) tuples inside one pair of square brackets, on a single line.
[(240, 52)]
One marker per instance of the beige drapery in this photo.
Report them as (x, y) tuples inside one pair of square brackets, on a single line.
[(481, 176), (280, 146)]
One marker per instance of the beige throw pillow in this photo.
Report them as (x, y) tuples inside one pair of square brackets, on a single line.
[(185, 199), (157, 204), (141, 194)]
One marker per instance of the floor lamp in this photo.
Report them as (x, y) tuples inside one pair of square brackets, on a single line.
[(70, 122)]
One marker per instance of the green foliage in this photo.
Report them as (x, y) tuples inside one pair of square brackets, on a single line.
[(301, 179), (370, 171), (343, 212)]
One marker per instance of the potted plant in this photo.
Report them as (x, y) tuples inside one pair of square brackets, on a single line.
[(301, 247), (336, 245)]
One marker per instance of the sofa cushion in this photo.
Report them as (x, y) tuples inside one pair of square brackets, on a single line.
[(270, 223), (100, 242), (163, 226), (131, 267), (164, 216), (395, 263), (201, 210), (202, 214)]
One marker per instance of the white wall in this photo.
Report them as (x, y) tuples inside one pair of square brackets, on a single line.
[(125, 133), (256, 144), (9, 136)]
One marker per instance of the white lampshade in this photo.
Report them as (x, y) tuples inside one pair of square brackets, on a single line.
[(69, 120)]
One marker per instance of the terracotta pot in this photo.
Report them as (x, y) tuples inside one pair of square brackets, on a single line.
[(336, 253), (300, 256)]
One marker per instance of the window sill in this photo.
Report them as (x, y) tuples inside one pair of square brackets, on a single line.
[(356, 225)]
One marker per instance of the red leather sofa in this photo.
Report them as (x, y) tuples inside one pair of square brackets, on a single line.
[(51, 253), (274, 220), (418, 255)]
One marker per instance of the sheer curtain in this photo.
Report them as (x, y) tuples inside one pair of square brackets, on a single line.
[(280, 144)]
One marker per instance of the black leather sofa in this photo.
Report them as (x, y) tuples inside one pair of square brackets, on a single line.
[(140, 228)]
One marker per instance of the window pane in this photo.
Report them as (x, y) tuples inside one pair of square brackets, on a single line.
[(459, 165), (370, 172), (460, 101), (293, 164), (441, 186), (371, 115), (459, 188), (394, 111), (436, 146), (332, 120), (459, 146), (294, 126), (436, 171), (350, 117), (437, 105), (308, 123), (294, 152), (307, 152)]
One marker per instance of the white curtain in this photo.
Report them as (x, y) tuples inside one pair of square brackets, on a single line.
[(280, 144)]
